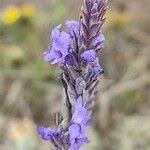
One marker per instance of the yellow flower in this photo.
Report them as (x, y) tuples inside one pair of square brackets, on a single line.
[(28, 10), (118, 18), (109, 18), (11, 14), (121, 18)]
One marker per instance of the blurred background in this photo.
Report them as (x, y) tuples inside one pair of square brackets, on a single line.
[(30, 90)]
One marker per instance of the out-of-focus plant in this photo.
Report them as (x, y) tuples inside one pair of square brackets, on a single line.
[(119, 18), (28, 10), (129, 101), (11, 14), (20, 24), (58, 10), (21, 134), (13, 56)]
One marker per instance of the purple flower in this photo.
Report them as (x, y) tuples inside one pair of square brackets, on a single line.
[(89, 55), (46, 133), (73, 27), (96, 68), (80, 115), (77, 52), (79, 122), (69, 60), (59, 48), (77, 136), (100, 41)]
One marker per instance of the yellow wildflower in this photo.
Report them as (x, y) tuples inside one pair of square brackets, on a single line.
[(28, 10), (110, 18), (121, 18), (11, 14), (118, 18)]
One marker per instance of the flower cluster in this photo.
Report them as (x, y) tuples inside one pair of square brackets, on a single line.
[(76, 51)]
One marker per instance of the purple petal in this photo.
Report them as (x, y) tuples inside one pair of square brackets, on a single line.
[(74, 131), (69, 60), (96, 68), (89, 56), (73, 26), (59, 48), (65, 39), (57, 61), (47, 56), (79, 102), (100, 41), (81, 115), (52, 56), (76, 136), (100, 38), (46, 133), (55, 32)]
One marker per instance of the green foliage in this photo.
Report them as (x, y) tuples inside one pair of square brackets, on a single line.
[(96, 141), (132, 133), (130, 101), (26, 143), (58, 11), (13, 57)]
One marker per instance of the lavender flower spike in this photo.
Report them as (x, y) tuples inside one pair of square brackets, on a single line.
[(76, 52)]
